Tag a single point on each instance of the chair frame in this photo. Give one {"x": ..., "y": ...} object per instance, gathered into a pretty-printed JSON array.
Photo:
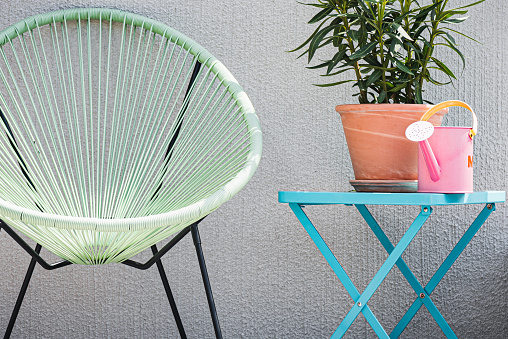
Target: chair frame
[{"x": 156, "y": 259}]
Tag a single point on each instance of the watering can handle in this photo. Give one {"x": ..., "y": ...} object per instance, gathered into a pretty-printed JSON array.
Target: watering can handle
[{"x": 451, "y": 103}]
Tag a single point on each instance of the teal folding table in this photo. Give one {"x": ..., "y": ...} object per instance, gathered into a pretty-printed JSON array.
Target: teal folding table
[{"x": 298, "y": 200}]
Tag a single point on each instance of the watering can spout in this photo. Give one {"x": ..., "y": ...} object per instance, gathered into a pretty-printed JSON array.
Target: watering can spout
[
  {"x": 430, "y": 160},
  {"x": 420, "y": 131}
]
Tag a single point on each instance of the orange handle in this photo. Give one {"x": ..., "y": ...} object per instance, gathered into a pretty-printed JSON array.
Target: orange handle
[{"x": 451, "y": 103}]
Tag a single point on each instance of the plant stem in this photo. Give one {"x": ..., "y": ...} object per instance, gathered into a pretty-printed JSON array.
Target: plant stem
[
  {"x": 380, "y": 14},
  {"x": 356, "y": 65},
  {"x": 405, "y": 9},
  {"x": 429, "y": 52},
  {"x": 438, "y": 11}
]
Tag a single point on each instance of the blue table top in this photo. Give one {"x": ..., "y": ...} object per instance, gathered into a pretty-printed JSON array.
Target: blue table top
[{"x": 365, "y": 198}]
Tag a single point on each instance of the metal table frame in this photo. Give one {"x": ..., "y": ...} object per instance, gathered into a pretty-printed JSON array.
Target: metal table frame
[{"x": 298, "y": 200}]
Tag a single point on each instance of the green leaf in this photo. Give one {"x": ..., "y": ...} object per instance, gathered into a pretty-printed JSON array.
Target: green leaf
[
  {"x": 353, "y": 34},
  {"x": 443, "y": 16},
  {"x": 324, "y": 64},
  {"x": 454, "y": 12},
  {"x": 470, "y": 5},
  {"x": 309, "y": 39},
  {"x": 403, "y": 78},
  {"x": 427, "y": 45},
  {"x": 321, "y": 15},
  {"x": 437, "y": 83},
  {"x": 314, "y": 44},
  {"x": 336, "y": 73},
  {"x": 396, "y": 44},
  {"x": 363, "y": 6},
  {"x": 336, "y": 58},
  {"x": 313, "y": 5},
  {"x": 397, "y": 88},
  {"x": 333, "y": 84},
  {"x": 381, "y": 97},
  {"x": 452, "y": 40},
  {"x": 328, "y": 41},
  {"x": 362, "y": 52},
  {"x": 372, "y": 60},
  {"x": 373, "y": 97},
  {"x": 348, "y": 62},
  {"x": 362, "y": 37},
  {"x": 420, "y": 30},
  {"x": 455, "y": 21},
  {"x": 420, "y": 17},
  {"x": 449, "y": 29},
  {"x": 400, "y": 18},
  {"x": 401, "y": 31},
  {"x": 438, "y": 33},
  {"x": 374, "y": 77},
  {"x": 301, "y": 55},
  {"x": 362, "y": 85},
  {"x": 337, "y": 38},
  {"x": 400, "y": 65},
  {"x": 452, "y": 46},
  {"x": 416, "y": 49},
  {"x": 443, "y": 67}
]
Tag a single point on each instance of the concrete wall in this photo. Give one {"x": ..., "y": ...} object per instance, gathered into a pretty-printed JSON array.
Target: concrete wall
[{"x": 269, "y": 280}]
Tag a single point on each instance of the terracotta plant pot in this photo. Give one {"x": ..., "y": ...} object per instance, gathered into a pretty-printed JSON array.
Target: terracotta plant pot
[{"x": 379, "y": 150}]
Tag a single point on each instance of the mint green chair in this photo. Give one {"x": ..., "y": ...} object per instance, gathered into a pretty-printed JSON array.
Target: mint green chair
[{"x": 117, "y": 132}]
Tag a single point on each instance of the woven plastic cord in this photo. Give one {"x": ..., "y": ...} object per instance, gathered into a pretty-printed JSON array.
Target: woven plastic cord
[{"x": 107, "y": 146}]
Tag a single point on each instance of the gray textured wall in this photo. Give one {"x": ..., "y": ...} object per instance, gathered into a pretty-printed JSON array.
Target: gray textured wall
[{"x": 269, "y": 280}]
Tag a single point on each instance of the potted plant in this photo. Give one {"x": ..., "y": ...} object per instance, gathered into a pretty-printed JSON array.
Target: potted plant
[{"x": 388, "y": 49}]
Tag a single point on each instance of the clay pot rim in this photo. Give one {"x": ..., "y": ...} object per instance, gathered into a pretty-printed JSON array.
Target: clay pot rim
[{"x": 386, "y": 108}]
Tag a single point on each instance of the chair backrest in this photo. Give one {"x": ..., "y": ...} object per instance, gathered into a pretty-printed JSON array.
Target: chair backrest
[{"x": 118, "y": 120}]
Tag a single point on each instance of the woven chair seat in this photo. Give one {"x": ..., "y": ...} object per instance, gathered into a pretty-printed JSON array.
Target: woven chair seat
[{"x": 117, "y": 132}]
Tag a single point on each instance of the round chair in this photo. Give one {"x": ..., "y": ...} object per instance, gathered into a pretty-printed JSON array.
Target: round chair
[{"x": 117, "y": 132}]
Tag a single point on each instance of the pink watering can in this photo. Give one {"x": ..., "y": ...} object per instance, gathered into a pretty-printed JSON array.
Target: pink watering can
[{"x": 445, "y": 154}]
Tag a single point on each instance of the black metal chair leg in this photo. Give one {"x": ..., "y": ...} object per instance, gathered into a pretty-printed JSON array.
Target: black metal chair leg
[
  {"x": 157, "y": 254},
  {"x": 172, "y": 302},
  {"x": 22, "y": 292},
  {"x": 206, "y": 280}
]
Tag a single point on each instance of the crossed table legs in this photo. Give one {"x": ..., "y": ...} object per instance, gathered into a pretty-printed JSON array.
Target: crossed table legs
[{"x": 394, "y": 258}]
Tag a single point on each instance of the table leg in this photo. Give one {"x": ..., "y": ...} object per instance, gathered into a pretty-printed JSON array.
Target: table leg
[
  {"x": 443, "y": 269},
  {"x": 383, "y": 271},
  {"x": 337, "y": 268},
  {"x": 410, "y": 277}
]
